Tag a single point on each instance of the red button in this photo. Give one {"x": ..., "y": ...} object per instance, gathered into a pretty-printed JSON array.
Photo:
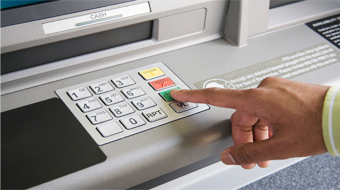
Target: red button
[{"x": 162, "y": 83}]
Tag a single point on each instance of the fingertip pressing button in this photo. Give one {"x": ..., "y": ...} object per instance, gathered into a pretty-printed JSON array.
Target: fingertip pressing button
[{"x": 166, "y": 94}]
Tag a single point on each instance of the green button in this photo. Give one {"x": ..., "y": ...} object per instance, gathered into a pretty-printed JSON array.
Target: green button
[{"x": 166, "y": 94}]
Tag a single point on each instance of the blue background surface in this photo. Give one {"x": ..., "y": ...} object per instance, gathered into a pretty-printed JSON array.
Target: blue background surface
[{"x": 15, "y": 3}]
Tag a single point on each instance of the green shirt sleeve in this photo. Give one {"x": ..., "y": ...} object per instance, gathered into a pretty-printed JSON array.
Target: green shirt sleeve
[{"x": 331, "y": 121}]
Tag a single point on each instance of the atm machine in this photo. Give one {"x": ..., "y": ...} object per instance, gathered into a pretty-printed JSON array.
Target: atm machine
[{"x": 85, "y": 86}]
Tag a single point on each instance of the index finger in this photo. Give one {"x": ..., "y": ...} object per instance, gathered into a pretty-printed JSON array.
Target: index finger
[{"x": 228, "y": 98}]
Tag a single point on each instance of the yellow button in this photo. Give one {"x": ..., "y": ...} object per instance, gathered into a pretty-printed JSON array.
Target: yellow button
[{"x": 151, "y": 73}]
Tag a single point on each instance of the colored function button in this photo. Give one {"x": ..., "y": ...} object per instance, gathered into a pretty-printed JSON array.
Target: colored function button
[
  {"x": 162, "y": 83},
  {"x": 151, "y": 73},
  {"x": 166, "y": 95}
]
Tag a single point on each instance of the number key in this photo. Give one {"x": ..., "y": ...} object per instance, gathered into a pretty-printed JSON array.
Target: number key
[
  {"x": 121, "y": 110},
  {"x": 133, "y": 92},
  {"x": 101, "y": 87},
  {"x": 111, "y": 98},
  {"x": 99, "y": 117},
  {"x": 79, "y": 93},
  {"x": 143, "y": 103},
  {"x": 132, "y": 122},
  {"x": 123, "y": 81},
  {"x": 88, "y": 105}
]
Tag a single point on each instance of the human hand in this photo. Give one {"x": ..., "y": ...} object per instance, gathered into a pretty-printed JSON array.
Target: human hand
[{"x": 279, "y": 119}]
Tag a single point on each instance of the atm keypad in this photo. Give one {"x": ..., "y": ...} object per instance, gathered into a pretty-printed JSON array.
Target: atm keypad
[{"x": 127, "y": 103}]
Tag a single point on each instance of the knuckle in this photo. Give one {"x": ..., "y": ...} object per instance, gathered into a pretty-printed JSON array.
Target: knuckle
[
  {"x": 233, "y": 117},
  {"x": 261, "y": 127},
  {"x": 252, "y": 91},
  {"x": 269, "y": 80},
  {"x": 236, "y": 117},
  {"x": 211, "y": 91}
]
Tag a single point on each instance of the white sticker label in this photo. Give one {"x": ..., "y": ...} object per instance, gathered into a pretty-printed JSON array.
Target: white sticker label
[{"x": 95, "y": 18}]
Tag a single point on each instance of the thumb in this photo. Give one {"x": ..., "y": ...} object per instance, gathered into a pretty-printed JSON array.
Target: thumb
[{"x": 250, "y": 153}]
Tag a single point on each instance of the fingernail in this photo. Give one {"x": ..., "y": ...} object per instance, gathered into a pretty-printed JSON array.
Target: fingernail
[
  {"x": 174, "y": 91},
  {"x": 227, "y": 158}
]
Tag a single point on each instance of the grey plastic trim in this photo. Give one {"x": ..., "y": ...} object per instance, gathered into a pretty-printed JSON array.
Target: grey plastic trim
[
  {"x": 50, "y": 9},
  {"x": 236, "y": 27}
]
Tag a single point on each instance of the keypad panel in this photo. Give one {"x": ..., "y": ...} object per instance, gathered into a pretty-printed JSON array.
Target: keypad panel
[{"x": 127, "y": 103}]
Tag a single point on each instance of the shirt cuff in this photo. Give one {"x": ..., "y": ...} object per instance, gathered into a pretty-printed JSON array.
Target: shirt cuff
[{"x": 331, "y": 121}]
